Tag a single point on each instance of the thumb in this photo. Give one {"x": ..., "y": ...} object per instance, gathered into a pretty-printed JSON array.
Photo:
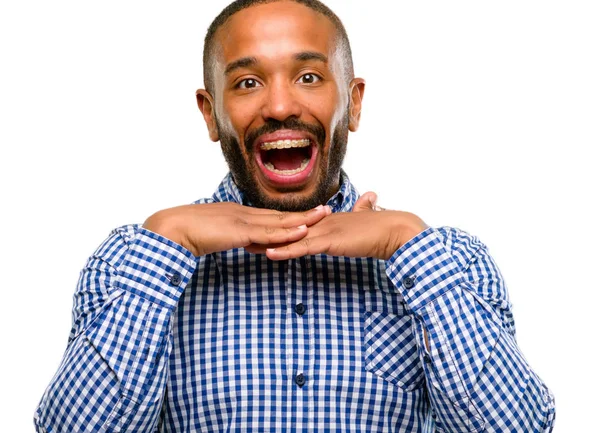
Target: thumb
[{"x": 365, "y": 202}]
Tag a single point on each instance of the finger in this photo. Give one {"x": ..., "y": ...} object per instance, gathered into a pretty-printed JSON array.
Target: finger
[
  {"x": 302, "y": 247},
  {"x": 269, "y": 235},
  {"x": 261, "y": 249},
  {"x": 291, "y": 219},
  {"x": 365, "y": 202}
]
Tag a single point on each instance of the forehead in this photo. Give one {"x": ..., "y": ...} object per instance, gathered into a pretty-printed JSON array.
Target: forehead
[{"x": 274, "y": 31}]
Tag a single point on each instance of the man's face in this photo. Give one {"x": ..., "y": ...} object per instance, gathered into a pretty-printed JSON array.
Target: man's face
[{"x": 281, "y": 104}]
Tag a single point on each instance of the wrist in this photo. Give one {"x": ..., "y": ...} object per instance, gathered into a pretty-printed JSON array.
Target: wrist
[
  {"x": 162, "y": 224},
  {"x": 405, "y": 226}
]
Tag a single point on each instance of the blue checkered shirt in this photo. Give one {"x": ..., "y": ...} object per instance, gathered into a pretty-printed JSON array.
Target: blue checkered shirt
[{"x": 163, "y": 341}]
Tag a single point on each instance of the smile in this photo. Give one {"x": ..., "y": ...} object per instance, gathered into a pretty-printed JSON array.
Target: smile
[
  {"x": 282, "y": 156},
  {"x": 286, "y": 161}
]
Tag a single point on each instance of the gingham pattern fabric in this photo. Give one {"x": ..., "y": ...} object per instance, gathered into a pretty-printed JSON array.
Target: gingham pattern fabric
[{"x": 163, "y": 341}]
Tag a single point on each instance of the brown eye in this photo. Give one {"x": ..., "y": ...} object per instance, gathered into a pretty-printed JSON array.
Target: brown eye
[
  {"x": 309, "y": 79},
  {"x": 248, "y": 83}
]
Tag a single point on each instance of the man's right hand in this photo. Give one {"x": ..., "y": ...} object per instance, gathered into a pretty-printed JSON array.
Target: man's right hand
[{"x": 213, "y": 227}]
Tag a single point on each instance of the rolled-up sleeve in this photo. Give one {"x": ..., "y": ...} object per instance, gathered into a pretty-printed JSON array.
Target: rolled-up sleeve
[
  {"x": 477, "y": 377},
  {"x": 113, "y": 373}
]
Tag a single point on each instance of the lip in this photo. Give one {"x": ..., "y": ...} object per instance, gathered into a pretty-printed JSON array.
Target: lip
[
  {"x": 283, "y": 134},
  {"x": 286, "y": 180}
]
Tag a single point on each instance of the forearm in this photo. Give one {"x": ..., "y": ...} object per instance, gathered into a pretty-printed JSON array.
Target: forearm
[
  {"x": 476, "y": 376},
  {"x": 114, "y": 370}
]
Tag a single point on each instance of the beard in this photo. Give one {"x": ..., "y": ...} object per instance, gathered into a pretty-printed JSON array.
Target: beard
[{"x": 328, "y": 169}]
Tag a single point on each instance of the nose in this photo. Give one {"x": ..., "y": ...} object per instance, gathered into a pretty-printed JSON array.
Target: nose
[{"x": 281, "y": 101}]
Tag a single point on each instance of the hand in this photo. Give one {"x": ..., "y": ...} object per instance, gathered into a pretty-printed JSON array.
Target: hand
[
  {"x": 363, "y": 232},
  {"x": 208, "y": 228}
]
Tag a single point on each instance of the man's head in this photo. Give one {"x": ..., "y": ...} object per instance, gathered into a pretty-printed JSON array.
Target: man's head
[{"x": 280, "y": 96}]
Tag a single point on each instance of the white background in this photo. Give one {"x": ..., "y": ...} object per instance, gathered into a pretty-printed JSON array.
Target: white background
[{"x": 477, "y": 114}]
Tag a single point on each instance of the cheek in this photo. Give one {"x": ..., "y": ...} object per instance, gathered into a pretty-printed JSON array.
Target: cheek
[
  {"x": 330, "y": 110},
  {"x": 342, "y": 105},
  {"x": 240, "y": 117},
  {"x": 224, "y": 121},
  {"x": 331, "y": 117},
  {"x": 338, "y": 115}
]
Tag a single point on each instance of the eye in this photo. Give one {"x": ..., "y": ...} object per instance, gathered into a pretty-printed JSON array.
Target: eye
[
  {"x": 309, "y": 79},
  {"x": 248, "y": 83}
]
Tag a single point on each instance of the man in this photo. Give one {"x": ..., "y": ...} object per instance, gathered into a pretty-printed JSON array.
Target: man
[{"x": 285, "y": 302}]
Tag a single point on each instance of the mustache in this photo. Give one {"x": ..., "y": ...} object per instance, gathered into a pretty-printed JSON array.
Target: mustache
[{"x": 291, "y": 123}]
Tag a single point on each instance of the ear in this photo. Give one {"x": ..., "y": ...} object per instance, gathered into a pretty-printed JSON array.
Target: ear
[
  {"x": 206, "y": 106},
  {"x": 356, "y": 90}
]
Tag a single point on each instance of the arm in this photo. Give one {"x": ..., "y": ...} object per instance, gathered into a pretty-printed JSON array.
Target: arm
[
  {"x": 477, "y": 378},
  {"x": 113, "y": 373}
]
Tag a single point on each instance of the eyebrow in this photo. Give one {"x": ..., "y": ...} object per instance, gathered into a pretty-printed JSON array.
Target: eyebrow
[
  {"x": 244, "y": 62},
  {"x": 304, "y": 56},
  {"x": 311, "y": 55}
]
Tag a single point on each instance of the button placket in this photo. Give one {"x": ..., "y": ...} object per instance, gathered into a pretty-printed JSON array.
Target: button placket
[{"x": 302, "y": 333}]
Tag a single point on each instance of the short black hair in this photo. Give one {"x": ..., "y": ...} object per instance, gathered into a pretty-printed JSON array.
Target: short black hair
[{"x": 238, "y": 5}]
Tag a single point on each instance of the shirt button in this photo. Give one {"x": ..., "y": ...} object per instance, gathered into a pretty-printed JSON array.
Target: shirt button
[
  {"x": 300, "y": 309},
  {"x": 176, "y": 279},
  {"x": 408, "y": 282},
  {"x": 426, "y": 358},
  {"x": 300, "y": 380}
]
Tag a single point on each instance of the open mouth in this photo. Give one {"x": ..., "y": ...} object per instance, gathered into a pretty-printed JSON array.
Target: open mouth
[{"x": 287, "y": 161}]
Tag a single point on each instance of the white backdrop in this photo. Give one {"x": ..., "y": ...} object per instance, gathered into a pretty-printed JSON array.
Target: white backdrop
[{"x": 481, "y": 115}]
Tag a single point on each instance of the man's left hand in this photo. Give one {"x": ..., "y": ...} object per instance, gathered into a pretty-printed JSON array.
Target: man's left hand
[{"x": 364, "y": 232}]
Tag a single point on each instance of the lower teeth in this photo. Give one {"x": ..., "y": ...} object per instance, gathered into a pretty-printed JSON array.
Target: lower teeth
[{"x": 272, "y": 168}]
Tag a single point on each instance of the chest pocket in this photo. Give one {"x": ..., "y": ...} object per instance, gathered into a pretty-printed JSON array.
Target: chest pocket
[{"x": 390, "y": 349}]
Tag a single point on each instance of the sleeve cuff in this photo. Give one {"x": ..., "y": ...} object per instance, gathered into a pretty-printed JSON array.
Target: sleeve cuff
[
  {"x": 156, "y": 268},
  {"x": 422, "y": 269}
]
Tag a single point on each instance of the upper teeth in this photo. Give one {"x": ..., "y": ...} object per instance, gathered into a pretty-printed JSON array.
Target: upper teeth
[{"x": 285, "y": 144}]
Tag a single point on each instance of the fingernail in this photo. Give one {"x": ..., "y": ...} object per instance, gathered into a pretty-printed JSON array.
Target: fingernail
[
  {"x": 302, "y": 227},
  {"x": 271, "y": 250},
  {"x": 319, "y": 207}
]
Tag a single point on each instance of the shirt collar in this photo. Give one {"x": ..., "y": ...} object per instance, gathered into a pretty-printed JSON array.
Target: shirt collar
[{"x": 342, "y": 201}]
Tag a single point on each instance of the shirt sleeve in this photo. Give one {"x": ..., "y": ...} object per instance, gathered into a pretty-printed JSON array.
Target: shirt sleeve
[
  {"x": 477, "y": 378},
  {"x": 114, "y": 371}
]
